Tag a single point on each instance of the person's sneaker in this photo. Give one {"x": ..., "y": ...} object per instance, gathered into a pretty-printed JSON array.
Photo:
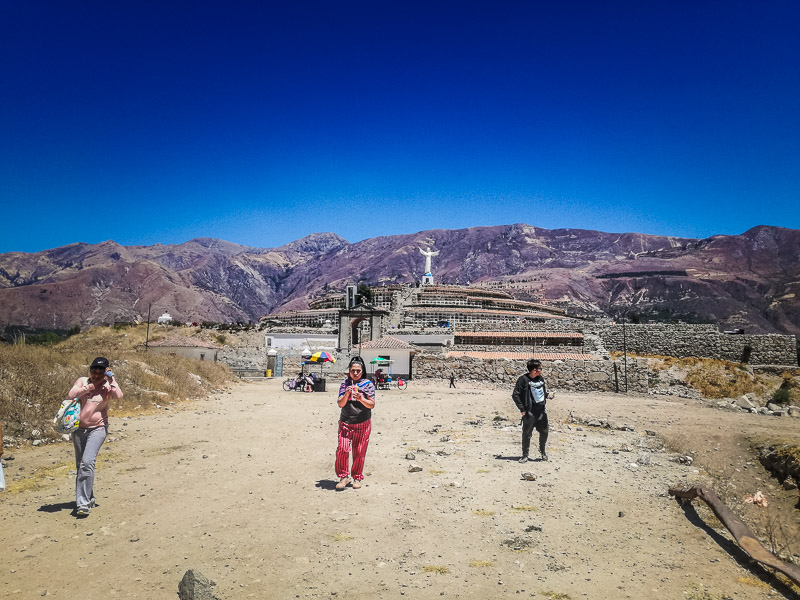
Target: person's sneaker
[
  {"x": 342, "y": 483},
  {"x": 356, "y": 484},
  {"x": 83, "y": 511},
  {"x": 524, "y": 459},
  {"x": 544, "y": 456}
]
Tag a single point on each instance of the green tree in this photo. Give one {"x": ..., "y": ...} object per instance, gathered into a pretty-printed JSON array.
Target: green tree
[{"x": 365, "y": 292}]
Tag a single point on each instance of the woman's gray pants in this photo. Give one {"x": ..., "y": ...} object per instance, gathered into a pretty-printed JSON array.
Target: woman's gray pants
[{"x": 87, "y": 444}]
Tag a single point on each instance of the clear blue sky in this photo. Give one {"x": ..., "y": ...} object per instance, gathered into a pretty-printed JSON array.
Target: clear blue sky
[{"x": 259, "y": 122}]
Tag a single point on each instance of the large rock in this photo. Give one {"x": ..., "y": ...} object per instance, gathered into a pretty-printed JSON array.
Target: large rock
[{"x": 195, "y": 586}]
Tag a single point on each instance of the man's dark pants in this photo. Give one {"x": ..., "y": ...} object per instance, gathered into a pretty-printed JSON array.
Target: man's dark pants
[{"x": 529, "y": 423}]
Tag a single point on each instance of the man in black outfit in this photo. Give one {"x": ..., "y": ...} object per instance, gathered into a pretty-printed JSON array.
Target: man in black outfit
[
  {"x": 452, "y": 379},
  {"x": 530, "y": 396}
]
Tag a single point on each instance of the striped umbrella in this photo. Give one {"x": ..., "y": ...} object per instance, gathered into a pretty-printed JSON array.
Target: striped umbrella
[{"x": 321, "y": 358}]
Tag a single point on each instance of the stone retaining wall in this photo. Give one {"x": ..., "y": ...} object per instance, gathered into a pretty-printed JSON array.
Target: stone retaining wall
[
  {"x": 530, "y": 348},
  {"x": 572, "y": 375},
  {"x": 683, "y": 340},
  {"x": 244, "y": 358},
  {"x": 513, "y": 325}
]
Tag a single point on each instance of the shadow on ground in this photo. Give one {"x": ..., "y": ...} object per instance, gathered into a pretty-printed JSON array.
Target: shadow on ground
[
  {"x": 53, "y": 508},
  {"x": 740, "y": 556}
]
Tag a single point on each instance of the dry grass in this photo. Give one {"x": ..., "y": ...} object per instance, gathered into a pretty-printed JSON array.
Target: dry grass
[
  {"x": 679, "y": 442},
  {"x": 753, "y": 582},
  {"x": 39, "y": 478},
  {"x": 722, "y": 379},
  {"x": 525, "y": 508},
  {"x": 342, "y": 537},
  {"x": 711, "y": 377},
  {"x": 556, "y": 596},
  {"x": 481, "y": 563},
  {"x": 438, "y": 569},
  {"x": 35, "y": 379},
  {"x": 483, "y": 513}
]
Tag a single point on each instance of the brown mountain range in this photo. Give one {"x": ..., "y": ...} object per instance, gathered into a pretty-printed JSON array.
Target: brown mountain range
[{"x": 750, "y": 280}]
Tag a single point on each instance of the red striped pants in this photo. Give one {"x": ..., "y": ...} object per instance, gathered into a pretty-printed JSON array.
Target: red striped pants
[{"x": 355, "y": 437}]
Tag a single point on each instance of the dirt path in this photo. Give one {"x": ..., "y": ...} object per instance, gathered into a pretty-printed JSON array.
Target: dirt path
[{"x": 240, "y": 486}]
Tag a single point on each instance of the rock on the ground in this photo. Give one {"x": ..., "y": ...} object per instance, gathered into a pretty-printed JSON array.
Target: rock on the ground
[{"x": 195, "y": 586}]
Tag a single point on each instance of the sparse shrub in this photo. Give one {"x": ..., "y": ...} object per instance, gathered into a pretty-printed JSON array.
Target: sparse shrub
[
  {"x": 47, "y": 338},
  {"x": 781, "y": 395}
]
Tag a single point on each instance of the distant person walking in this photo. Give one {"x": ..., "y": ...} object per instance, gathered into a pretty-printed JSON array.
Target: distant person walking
[
  {"x": 94, "y": 393},
  {"x": 356, "y": 401},
  {"x": 452, "y": 379},
  {"x": 530, "y": 396}
]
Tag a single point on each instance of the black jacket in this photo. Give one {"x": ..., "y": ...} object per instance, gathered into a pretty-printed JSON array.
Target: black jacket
[{"x": 523, "y": 395}]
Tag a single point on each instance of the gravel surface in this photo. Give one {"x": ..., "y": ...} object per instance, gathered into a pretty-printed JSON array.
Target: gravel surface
[{"x": 240, "y": 487}]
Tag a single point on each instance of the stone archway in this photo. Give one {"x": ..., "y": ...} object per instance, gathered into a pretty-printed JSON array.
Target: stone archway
[
  {"x": 351, "y": 328},
  {"x": 356, "y": 330}
]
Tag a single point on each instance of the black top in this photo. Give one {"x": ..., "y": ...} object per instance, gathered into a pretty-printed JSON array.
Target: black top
[
  {"x": 354, "y": 412},
  {"x": 526, "y": 391}
]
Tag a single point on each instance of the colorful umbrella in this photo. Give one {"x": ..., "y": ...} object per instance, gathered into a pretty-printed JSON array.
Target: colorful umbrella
[{"x": 321, "y": 357}]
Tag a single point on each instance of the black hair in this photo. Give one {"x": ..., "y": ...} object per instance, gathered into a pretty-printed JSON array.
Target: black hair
[
  {"x": 534, "y": 364},
  {"x": 360, "y": 361}
]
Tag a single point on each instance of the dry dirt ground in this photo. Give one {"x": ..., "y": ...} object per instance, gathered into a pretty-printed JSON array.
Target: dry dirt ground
[{"x": 241, "y": 487}]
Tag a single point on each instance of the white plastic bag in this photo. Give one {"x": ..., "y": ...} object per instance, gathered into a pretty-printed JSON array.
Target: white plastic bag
[{"x": 2, "y": 479}]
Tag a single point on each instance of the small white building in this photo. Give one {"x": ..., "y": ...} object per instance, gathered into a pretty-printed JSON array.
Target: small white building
[
  {"x": 390, "y": 348},
  {"x": 186, "y": 347},
  {"x": 295, "y": 343},
  {"x": 165, "y": 319}
]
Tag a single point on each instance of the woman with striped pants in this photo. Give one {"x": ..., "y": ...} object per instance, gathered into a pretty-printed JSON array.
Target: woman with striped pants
[{"x": 356, "y": 401}]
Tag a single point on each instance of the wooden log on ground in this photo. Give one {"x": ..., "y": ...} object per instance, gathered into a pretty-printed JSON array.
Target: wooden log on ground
[{"x": 741, "y": 532}]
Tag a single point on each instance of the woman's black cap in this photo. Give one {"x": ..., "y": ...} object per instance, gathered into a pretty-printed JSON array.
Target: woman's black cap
[{"x": 99, "y": 363}]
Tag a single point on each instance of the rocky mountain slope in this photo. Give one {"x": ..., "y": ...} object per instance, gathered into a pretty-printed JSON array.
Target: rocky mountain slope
[{"x": 750, "y": 280}]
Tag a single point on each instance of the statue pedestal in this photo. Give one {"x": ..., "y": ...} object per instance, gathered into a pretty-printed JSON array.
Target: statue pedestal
[{"x": 427, "y": 279}]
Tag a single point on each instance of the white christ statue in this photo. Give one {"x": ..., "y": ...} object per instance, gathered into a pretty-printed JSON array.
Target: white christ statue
[{"x": 427, "y": 256}]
